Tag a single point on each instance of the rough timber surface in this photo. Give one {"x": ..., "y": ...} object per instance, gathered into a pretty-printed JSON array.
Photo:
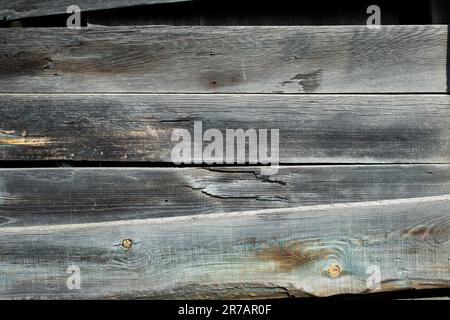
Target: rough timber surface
[
  {"x": 312, "y": 128},
  {"x": 283, "y": 59},
  {"x": 46, "y": 196},
  {"x": 314, "y": 250},
  {"x": 18, "y": 9}
]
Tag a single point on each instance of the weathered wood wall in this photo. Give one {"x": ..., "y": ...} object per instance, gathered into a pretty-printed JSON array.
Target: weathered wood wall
[{"x": 363, "y": 179}]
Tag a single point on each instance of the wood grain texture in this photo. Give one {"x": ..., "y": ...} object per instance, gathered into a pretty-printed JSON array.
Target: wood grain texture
[
  {"x": 30, "y": 197},
  {"x": 18, "y": 9},
  {"x": 341, "y": 59},
  {"x": 312, "y": 128},
  {"x": 315, "y": 250}
]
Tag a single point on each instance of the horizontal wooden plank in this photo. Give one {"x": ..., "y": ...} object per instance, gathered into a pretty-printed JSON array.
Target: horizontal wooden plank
[
  {"x": 312, "y": 128},
  {"x": 315, "y": 250},
  {"x": 18, "y": 9},
  {"x": 339, "y": 59},
  {"x": 57, "y": 196}
]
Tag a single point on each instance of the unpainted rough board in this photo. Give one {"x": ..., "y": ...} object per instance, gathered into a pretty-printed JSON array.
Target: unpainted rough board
[
  {"x": 316, "y": 250},
  {"x": 283, "y": 59},
  {"x": 31, "y": 197},
  {"x": 18, "y": 9},
  {"x": 312, "y": 128}
]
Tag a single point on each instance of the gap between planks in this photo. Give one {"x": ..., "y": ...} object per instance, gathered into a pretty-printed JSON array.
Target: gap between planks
[
  {"x": 97, "y": 165},
  {"x": 169, "y": 93}
]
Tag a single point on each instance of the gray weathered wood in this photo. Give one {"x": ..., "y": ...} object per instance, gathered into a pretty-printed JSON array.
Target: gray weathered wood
[
  {"x": 340, "y": 59},
  {"x": 30, "y": 197},
  {"x": 17, "y": 9},
  {"x": 317, "y": 250},
  {"x": 313, "y": 128}
]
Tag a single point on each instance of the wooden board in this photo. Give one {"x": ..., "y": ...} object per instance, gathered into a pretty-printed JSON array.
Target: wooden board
[
  {"x": 18, "y": 9},
  {"x": 343, "y": 59},
  {"x": 312, "y": 128},
  {"x": 314, "y": 250},
  {"x": 30, "y": 197}
]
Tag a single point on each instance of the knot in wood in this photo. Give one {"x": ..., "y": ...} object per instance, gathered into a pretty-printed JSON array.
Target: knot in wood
[
  {"x": 334, "y": 271},
  {"x": 127, "y": 243}
]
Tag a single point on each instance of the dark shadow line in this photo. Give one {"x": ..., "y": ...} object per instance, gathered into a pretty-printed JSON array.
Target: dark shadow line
[{"x": 147, "y": 164}]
